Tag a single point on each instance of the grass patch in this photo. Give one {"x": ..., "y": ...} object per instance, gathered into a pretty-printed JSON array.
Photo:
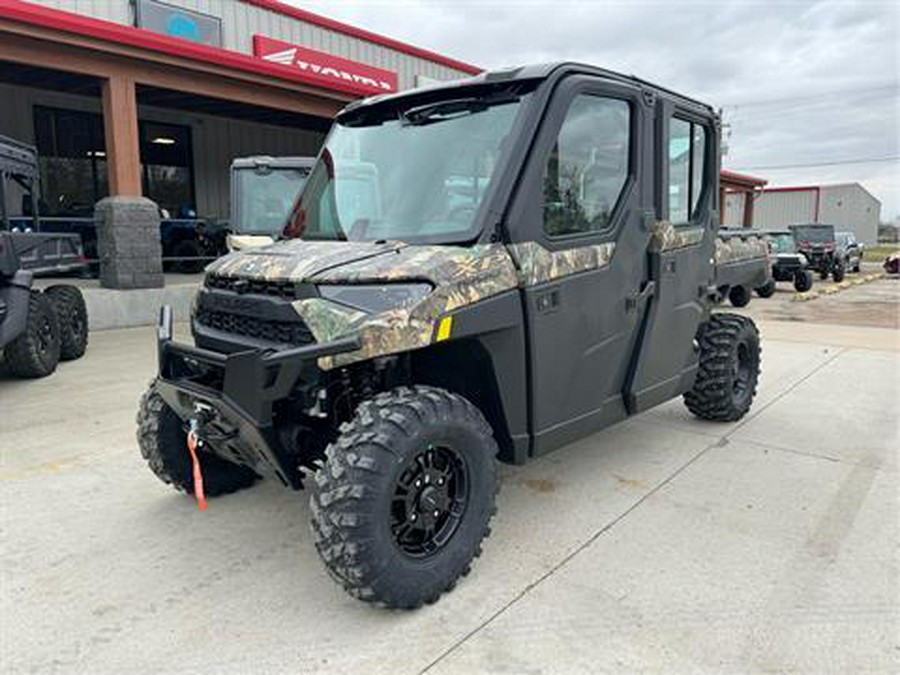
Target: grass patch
[{"x": 880, "y": 252}]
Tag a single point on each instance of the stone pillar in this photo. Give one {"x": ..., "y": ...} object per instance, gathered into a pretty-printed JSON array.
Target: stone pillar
[
  {"x": 128, "y": 243},
  {"x": 127, "y": 224}
]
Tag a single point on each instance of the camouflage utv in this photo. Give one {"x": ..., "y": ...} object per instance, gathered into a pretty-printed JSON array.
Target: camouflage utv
[{"x": 485, "y": 270}]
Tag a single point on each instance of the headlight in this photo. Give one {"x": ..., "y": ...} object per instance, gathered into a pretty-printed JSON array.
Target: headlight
[
  {"x": 803, "y": 260},
  {"x": 376, "y": 298}
]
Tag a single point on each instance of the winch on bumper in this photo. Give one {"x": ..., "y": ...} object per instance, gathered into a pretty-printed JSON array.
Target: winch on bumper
[{"x": 236, "y": 392}]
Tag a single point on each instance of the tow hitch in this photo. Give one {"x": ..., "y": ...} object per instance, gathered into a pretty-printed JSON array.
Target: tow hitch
[{"x": 202, "y": 414}]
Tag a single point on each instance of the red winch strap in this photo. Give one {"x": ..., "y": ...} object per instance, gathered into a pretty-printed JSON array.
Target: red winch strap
[{"x": 192, "y": 443}]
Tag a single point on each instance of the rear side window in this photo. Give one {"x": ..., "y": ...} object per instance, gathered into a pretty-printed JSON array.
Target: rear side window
[
  {"x": 687, "y": 169},
  {"x": 588, "y": 166}
]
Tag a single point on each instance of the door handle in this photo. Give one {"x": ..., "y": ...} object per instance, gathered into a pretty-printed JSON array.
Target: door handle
[
  {"x": 633, "y": 301},
  {"x": 547, "y": 302}
]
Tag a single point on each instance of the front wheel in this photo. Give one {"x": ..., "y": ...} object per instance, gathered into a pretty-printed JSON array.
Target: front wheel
[
  {"x": 803, "y": 281},
  {"x": 729, "y": 369},
  {"x": 838, "y": 273},
  {"x": 405, "y": 496},
  {"x": 163, "y": 443}
]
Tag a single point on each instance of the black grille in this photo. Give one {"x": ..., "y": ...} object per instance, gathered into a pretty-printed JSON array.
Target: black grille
[
  {"x": 285, "y": 332},
  {"x": 287, "y": 290}
]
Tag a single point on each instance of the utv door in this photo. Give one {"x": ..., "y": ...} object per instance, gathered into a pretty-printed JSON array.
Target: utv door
[
  {"x": 680, "y": 256},
  {"x": 580, "y": 236}
]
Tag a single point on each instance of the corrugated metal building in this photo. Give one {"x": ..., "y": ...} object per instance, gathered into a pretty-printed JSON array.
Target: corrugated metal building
[
  {"x": 142, "y": 97},
  {"x": 847, "y": 206}
]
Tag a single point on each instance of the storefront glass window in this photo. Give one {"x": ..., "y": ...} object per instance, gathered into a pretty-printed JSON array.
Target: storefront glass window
[
  {"x": 73, "y": 163},
  {"x": 71, "y": 146},
  {"x": 168, "y": 169}
]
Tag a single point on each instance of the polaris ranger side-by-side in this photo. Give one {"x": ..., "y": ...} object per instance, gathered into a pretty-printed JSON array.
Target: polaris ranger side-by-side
[
  {"x": 488, "y": 269},
  {"x": 263, "y": 191}
]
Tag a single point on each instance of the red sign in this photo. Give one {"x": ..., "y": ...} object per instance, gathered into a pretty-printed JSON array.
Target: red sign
[{"x": 326, "y": 70}]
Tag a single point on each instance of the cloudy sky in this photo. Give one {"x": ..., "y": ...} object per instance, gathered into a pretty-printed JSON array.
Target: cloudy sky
[{"x": 809, "y": 89}]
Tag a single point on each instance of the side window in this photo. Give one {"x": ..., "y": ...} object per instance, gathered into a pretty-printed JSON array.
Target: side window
[
  {"x": 587, "y": 167},
  {"x": 687, "y": 169}
]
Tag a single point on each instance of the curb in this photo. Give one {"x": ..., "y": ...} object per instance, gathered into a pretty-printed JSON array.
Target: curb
[{"x": 837, "y": 288}]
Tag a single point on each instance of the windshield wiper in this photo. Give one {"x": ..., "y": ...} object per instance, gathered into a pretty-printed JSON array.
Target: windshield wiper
[{"x": 451, "y": 109}]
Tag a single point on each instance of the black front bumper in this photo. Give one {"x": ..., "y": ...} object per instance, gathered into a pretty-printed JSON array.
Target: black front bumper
[{"x": 237, "y": 392}]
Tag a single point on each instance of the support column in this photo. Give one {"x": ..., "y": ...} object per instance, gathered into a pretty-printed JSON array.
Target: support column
[
  {"x": 128, "y": 240},
  {"x": 120, "y": 126},
  {"x": 748, "y": 207}
]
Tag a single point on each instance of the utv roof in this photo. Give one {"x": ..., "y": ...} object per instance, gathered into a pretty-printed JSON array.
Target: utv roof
[{"x": 541, "y": 71}]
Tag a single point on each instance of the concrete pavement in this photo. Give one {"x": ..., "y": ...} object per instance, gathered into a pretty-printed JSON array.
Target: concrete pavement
[{"x": 664, "y": 543}]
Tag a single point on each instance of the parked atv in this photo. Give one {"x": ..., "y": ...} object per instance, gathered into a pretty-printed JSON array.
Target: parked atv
[
  {"x": 38, "y": 329},
  {"x": 788, "y": 263},
  {"x": 819, "y": 246},
  {"x": 489, "y": 269}
]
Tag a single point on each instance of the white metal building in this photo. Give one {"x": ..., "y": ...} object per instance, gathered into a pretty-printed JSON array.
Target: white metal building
[{"x": 847, "y": 206}]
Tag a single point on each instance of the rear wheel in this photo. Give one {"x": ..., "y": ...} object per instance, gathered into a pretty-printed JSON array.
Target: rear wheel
[
  {"x": 163, "y": 443},
  {"x": 767, "y": 290},
  {"x": 405, "y": 496},
  {"x": 35, "y": 353},
  {"x": 73, "y": 320},
  {"x": 803, "y": 281},
  {"x": 729, "y": 369},
  {"x": 739, "y": 296}
]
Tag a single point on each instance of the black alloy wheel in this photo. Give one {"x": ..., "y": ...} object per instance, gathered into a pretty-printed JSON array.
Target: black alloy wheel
[{"x": 430, "y": 498}]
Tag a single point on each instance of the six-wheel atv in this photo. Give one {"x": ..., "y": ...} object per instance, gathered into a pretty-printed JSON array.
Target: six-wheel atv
[
  {"x": 37, "y": 329},
  {"x": 489, "y": 269}
]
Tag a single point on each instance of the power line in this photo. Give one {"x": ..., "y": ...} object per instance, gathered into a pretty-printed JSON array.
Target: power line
[{"x": 871, "y": 160}]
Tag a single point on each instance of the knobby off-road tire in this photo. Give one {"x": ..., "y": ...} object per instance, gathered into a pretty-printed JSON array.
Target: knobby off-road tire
[
  {"x": 739, "y": 296},
  {"x": 729, "y": 369},
  {"x": 375, "y": 479},
  {"x": 803, "y": 281},
  {"x": 163, "y": 443},
  {"x": 838, "y": 273},
  {"x": 72, "y": 317},
  {"x": 35, "y": 352},
  {"x": 767, "y": 290}
]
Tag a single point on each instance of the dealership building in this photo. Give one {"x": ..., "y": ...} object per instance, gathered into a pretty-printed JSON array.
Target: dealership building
[{"x": 132, "y": 98}]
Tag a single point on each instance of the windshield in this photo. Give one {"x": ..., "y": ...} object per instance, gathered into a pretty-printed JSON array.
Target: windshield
[
  {"x": 264, "y": 197},
  {"x": 416, "y": 175},
  {"x": 782, "y": 243},
  {"x": 815, "y": 234}
]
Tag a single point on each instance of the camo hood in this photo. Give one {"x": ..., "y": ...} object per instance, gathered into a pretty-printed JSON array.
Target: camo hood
[{"x": 296, "y": 259}]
